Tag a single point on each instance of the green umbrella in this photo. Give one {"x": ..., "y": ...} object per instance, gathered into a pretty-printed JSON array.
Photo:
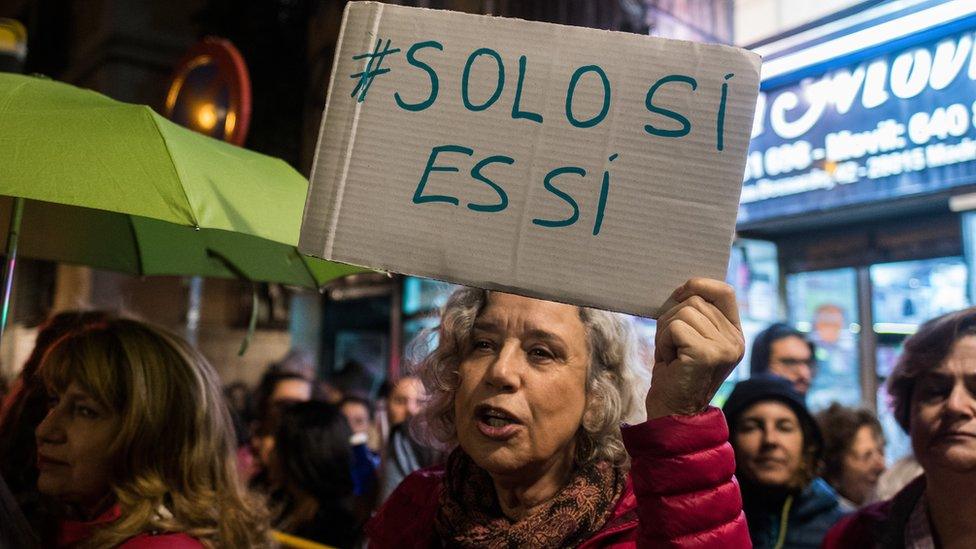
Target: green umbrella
[{"x": 116, "y": 186}]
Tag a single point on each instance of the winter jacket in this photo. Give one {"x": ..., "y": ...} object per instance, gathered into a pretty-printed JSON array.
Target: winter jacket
[
  {"x": 810, "y": 514},
  {"x": 72, "y": 532},
  {"x": 878, "y": 525},
  {"x": 680, "y": 492}
]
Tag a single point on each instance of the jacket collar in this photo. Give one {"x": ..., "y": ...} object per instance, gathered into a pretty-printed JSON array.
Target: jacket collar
[{"x": 72, "y": 532}]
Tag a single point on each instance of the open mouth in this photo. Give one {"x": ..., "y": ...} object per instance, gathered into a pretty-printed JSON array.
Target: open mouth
[{"x": 496, "y": 423}]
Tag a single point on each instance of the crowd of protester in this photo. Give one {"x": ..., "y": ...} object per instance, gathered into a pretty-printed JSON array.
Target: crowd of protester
[{"x": 508, "y": 432}]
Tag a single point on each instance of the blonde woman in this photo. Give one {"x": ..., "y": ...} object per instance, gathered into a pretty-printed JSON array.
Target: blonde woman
[{"x": 138, "y": 445}]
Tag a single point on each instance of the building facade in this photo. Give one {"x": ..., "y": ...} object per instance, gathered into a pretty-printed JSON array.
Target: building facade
[{"x": 855, "y": 221}]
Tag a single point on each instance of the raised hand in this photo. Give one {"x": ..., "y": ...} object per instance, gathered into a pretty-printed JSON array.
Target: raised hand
[{"x": 698, "y": 343}]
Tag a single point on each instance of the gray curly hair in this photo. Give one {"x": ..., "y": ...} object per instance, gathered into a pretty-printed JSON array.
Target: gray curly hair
[{"x": 616, "y": 380}]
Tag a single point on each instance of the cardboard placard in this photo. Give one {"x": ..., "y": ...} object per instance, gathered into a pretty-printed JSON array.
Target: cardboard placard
[{"x": 572, "y": 164}]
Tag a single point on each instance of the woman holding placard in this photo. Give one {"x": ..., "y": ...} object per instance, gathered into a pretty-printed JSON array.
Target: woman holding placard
[{"x": 529, "y": 397}]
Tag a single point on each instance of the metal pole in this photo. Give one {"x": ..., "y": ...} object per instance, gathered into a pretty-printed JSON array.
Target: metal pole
[
  {"x": 13, "y": 236},
  {"x": 194, "y": 299},
  {"x": 867, "y": 347}
]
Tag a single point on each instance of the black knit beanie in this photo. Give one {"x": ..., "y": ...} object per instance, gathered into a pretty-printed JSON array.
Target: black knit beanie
[{"x": 771, "y": 387}]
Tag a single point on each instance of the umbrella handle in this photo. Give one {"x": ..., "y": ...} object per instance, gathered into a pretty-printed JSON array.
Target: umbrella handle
[
  {"x": 13, "y": 237},
  {"x": 252, "y": 324}
]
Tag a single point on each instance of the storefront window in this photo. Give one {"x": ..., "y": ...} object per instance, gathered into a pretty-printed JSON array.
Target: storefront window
[
  {"x": 906, "y": 294},
  {"x": 424, "y": 295},
  {"x": 422, "y": 302},
  {"x": 754, "y": 273},
  {"x": 824, "y": 305}
]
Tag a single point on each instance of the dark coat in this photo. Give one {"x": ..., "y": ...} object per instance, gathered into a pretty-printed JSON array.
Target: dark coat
[
  {"x": 878, "y": 525},
  {"x": 812, "y": 513}
]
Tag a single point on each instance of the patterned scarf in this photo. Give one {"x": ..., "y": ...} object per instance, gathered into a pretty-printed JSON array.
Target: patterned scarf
[{"x": 470, "y": 516}]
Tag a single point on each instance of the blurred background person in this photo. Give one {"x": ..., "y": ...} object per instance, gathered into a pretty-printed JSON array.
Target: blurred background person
[
  {"x": 312, "y": 462},
  {"x": 777, "y": 451},
  {"x": 138, "y": 446},
  {"x": 403, "y": 453},
  {"x": 238, "y": 397},
  {"x": 296, "y": 361},
  {"x": 24, "y": 408},
  {"x": 281, "y": 386},
  {"x": 276, "y": 389},
  {"x": 933, "y": 395},
  {"x": 895, "y": 478},
  {"x": 853, "y": 456},
  {"x": 406, "y": 398},
  {"x": 354, "y": 378},
  {"x": 359, "y": 413},
  {"x": 786, "y": 352}
]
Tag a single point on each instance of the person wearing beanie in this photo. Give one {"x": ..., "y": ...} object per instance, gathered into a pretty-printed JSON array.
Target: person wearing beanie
[
  {"x": 786, "y": 352},
  {"x": 777, "y": 450}
]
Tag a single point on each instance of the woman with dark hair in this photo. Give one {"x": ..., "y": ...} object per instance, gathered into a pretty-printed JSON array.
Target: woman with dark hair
[
  {"x": 277, "y": 389},
  {"x": 933, "y": 393},
  {"x": 312, "y": 464},
  {"x": 777, "y": 450},
  {"x": 853, "y": 455}
]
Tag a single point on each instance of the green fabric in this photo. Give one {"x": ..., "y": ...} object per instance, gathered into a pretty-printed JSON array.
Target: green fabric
[{"x": 150, "y": 197}]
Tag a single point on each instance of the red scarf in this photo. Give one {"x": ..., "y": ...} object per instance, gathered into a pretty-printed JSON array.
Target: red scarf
[{"x": 470, "y": 516}]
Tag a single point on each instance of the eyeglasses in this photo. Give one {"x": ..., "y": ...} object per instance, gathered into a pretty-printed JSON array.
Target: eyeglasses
[{"x": 797, "y": 362}]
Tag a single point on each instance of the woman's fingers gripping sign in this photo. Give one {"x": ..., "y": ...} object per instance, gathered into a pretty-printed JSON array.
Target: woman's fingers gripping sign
[{"x": 698, "y": 343}]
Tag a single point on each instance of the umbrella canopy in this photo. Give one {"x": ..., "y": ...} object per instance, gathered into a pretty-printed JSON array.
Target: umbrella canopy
[
  {"x": 116, "y": 186},
  {"x": 143, "y": 246}
]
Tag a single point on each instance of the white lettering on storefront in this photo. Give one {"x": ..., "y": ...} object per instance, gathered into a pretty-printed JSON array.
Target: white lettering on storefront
[{"x": 908, "y": 75}]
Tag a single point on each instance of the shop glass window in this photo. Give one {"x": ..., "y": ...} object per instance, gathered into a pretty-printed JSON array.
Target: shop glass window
[
  {"x": 754, "y": 273},
  {"x": 823, "y": 304},
  {"x": 423, "y": 299},
  {"x": 904, "y": 295}
]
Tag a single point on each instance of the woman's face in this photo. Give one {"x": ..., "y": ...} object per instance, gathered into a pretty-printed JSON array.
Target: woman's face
[
  {"x": 73, "y": 443},
  {"x": 522, "y": 390},
  {"x": 768, "y": 444},
  {"x": 862, "y": 465},
  {"x": 943, "y": 418}
]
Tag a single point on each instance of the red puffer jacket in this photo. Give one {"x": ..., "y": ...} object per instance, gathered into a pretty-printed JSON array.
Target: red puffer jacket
[
  {"x": 71, "y": 533},
  {"x": 680, "y": 493}
]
